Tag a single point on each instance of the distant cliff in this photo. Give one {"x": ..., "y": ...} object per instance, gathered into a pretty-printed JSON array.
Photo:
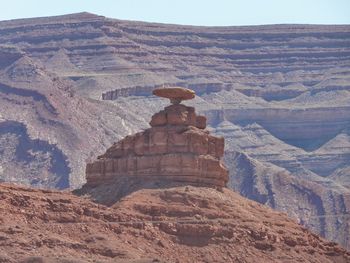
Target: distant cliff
[{"x": 72, "y": 85}]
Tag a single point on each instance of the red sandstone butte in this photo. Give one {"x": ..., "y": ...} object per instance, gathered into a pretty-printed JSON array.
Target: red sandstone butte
[{"x": 176, "y": 148}]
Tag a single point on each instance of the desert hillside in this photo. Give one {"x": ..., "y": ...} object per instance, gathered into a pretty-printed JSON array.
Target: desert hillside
[
  {"x": 173, "y": 224},
  {"x": 71, "y": 86}
]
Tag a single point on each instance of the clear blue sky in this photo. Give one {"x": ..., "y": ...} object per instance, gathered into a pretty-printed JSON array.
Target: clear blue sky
[{"x": 191, "y": 12}]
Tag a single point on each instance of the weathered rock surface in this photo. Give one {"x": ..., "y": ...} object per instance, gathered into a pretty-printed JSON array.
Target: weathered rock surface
[
  {"x": 175, "y": 224},
  {"x": 174, "y": 149},
  {"x": 279, "y": 94},
  {"x": 176, "y": 94}
]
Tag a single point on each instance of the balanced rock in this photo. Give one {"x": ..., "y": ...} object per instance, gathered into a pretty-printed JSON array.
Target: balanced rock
[
  {"x": 176, "y": 94},
  {"x": 176, "y": 148}
]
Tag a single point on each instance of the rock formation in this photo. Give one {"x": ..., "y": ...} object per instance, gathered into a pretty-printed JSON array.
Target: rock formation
[
  {"x": 279, "y": 94},
  {"x": 178, "y": 224},
  {"x": 176, "y": 148}
]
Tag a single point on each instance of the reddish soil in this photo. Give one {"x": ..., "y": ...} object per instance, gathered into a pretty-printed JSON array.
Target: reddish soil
[{"x": 178, "y": 224}]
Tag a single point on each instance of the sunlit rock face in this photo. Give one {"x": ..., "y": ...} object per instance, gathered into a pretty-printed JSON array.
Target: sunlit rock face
[
  {"x": 176, "y": 148},
  {"x": 278, "y": 94}
]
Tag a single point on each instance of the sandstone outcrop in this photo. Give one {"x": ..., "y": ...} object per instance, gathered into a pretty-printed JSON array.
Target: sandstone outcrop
[
  {"x": 176, "y": 95},
  {"x": 179, "y": 224},
  {"x": 291, "y": 80},
  {"x": 175, "y": 148}
]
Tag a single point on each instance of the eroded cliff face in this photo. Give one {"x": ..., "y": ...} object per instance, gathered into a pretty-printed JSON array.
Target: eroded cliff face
[
  {"x": 278, "y": 94},
  {"x": 32, "y": 162}
]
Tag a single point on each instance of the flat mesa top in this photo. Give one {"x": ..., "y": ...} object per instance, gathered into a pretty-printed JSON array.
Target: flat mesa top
[{"x": 175, "y": 93}]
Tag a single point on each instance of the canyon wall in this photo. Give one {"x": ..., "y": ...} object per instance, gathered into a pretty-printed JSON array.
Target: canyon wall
[{"x": 279, "y": 94}]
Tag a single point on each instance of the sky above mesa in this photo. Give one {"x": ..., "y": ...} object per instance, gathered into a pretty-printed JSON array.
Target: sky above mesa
[{"x": 190, "y": 12}]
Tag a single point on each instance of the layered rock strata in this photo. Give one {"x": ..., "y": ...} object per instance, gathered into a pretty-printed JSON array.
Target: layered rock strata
[
  {"x": 175, "y": 224},
  {"x": 276, "y": 93},
  {"x": 176, "y": 147}
]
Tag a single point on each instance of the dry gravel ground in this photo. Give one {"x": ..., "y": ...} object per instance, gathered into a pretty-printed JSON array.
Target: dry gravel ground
[{"x": 175, "y": 224}]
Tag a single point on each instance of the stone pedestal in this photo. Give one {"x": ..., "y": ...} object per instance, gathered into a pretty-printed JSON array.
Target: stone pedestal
[{"x": 176, "y": 148}]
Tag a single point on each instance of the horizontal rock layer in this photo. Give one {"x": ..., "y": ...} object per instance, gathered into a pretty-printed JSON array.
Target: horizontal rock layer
[
  {"x": 173, "y": 150},
  {"x": 284, "y": 88},
  {"x": 185, "y": 224}
]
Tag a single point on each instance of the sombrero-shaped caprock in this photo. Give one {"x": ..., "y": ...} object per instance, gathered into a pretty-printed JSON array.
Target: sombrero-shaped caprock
[{"x": 175, "y": 94}]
